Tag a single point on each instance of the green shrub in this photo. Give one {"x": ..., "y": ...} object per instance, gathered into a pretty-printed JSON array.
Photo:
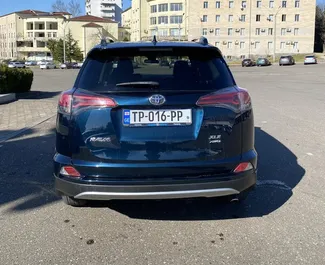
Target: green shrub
[{"x": 13, "y": 80}]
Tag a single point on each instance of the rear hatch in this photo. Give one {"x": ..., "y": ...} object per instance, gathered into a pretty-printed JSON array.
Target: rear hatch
[{"x": 152, "y": 115}]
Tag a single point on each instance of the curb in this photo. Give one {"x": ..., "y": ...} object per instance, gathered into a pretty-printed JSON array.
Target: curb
[
  {"x": 6, "y": 98},
  {"x": 20, "y": 131}
]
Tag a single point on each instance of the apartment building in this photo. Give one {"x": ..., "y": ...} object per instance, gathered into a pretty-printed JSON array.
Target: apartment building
[
  {"x": 255, "y": 27},
  {"x": 109, "y": 9},
  {"x": 24, "y": 34},
  {"x": 164, "y": 18},
  {"x": 242, "y": 28}
]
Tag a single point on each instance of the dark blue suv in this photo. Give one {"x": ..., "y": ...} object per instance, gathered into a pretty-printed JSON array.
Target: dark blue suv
[{"x": 131, "y": 128}]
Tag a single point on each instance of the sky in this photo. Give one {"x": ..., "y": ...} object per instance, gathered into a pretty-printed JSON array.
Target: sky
[{"x": 42, "y": 5}]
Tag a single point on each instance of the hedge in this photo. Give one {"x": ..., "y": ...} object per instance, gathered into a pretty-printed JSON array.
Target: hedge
[{"x": 13, "y": 80}]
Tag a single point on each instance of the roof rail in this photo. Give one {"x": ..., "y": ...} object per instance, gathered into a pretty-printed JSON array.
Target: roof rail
[
  {"x": 104, "y": 42},
  {"x": 203, "y": 40}
]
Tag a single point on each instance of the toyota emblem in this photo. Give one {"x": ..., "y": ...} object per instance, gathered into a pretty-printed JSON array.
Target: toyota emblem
[{"x": 157, "y": 100}]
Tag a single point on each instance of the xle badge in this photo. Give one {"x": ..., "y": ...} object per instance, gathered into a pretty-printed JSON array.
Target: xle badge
[{"x": 215, "y": 139}]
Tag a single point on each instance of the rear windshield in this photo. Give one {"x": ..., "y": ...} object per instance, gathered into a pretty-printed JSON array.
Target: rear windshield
[
  {"x": 311, "y": 56},
  {"x": 162, "y": 68}
]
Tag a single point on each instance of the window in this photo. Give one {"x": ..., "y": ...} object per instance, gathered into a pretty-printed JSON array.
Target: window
[
  {"x": 153, "y": 21},
  {"x": 271, "y": 4},
  {"x": 270, "y": 45},
  {"x": 55, "y": 34},
  {"x": 295, "y": 45},
  {"x": 231, "y": 4},
  {"x": 284, "y": 4},
  {"x": 284, "y": 18},
  {"x": 176, "y": 7},
  {"x": 243, "y": 4},
  {"x": 217, "y": 44},
  {"x": 229, "y": 45},
  {"x": 205, "y": 18},
  {"x": 258, "y": 17},
  {"x": 296, "y": 31},
  {"x": 163, "y": 7},
  {"x": 243, "y": 18},
  {"x": 163, "y": 20},
  {"x": 49, "y": 34},
  {"x": 258, "y": 31},
  {"x": 282, "y": 44},
  {"x": 205, "y": 4},
  {"x": 204, "y": 31},
  {"x": 283, "y": 31},
  {"x": 297, "y": 4},
  {"x": 230, "y": 31},
  {"x": 271, "y": 17},
  {"x": 163, "y": 32},
  {"x": 242, "y": 45},
  {"x": 270, "y": 31},
  {"x": 297, "y": 17},
  {"x": 217, "y": 4},
  {"x": 217, "y": 18},
  {"x": 176, "y": 20},
  {"x": 257, "y": 45},
  {"x": 242, "y": 32},
  {"x": 175, "y": 32},
  {"x": 217, "y": 31},
  {"x": 230, "y": 18},
  {"x": 153, "y": 9},
  {"x": 259, "y": 4}
]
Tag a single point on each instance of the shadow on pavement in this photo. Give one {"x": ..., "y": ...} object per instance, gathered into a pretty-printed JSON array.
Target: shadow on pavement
[
  {"x": 26, "y": 178},
  {"x": 26, "y": 171},
  {"x": 38, "y": 95},
  {"x": 278, "y": 174}
]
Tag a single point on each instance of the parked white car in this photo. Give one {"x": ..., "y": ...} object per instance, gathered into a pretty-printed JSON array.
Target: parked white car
[
  {"x": 16, "y": 65},
  {"x": 30, "y": 63},
  {"x": 48, "y": 65}
]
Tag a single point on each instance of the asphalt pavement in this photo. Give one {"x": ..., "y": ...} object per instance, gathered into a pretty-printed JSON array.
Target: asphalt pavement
[{"x": 282, "y": 221}]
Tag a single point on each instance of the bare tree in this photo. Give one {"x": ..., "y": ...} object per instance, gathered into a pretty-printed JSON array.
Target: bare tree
[{"x": 72, "y": 6}]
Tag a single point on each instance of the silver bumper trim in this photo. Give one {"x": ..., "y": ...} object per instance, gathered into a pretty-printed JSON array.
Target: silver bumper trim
[{"x": 94, "y": 195}]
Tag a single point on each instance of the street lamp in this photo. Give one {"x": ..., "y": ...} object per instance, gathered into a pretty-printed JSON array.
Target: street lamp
[
  {"x": 274, "y": 44},
  {"x": 65, "y": 22}
]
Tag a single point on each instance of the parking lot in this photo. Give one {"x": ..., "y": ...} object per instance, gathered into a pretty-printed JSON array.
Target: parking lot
[{"x": 282, "y": 221}]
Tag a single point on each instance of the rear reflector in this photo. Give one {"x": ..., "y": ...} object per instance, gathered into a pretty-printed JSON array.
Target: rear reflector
[
  {"x": 243, "y": 167},
  {"x": 238, "y": 101},
  {"x": 69, "y": 172}
]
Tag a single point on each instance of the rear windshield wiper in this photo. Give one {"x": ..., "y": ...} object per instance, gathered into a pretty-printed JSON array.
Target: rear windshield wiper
[{"x": 140, "y": 84}]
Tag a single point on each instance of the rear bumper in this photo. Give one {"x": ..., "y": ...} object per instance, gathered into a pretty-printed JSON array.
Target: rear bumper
[{"x": 232, "y": 185}]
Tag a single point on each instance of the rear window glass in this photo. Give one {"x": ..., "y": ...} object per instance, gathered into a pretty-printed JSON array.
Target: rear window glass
[
  {"x": 311, "y": 56},
  {"x": 165, "y": 68}
]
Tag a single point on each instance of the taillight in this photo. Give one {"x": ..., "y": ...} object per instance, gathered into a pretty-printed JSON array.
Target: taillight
[
  {"x": 80, "y": 101},
  {"x": 69, "y": 171},
  {"x": 69, "y": 103},
  {"x": 243, "y": 167},
  {"x": 238, "y": 101},
  {"x": 65, "y": 100}
]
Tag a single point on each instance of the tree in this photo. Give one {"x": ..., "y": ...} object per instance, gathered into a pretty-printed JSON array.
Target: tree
[
  {"x": 72, "y": 49},
  {"x": 73, "y": 7},
  {"x": 320, "y": 28}
]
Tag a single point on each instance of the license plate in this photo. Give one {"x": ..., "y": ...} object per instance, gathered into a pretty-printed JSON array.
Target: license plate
[{"x": 157, "y": 117}]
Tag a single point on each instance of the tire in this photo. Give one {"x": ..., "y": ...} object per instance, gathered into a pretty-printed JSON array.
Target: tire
[{"x": 73, "y": 202}]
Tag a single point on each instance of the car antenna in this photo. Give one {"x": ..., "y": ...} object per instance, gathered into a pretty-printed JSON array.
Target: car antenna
[{"x": 154, "y": 40}]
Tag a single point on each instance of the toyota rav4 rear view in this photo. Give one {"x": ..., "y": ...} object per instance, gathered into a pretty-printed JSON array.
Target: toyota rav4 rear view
[{"x": 131, "y": 128}]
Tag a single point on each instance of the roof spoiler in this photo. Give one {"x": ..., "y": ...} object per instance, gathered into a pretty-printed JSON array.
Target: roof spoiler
[{"x": 202, "y": 40}]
